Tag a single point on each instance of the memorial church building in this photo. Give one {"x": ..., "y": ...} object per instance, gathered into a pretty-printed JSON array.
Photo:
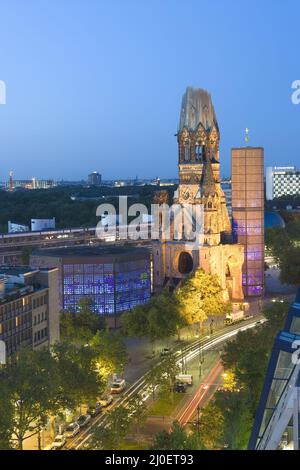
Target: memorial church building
[{"x": 199, "y": 184}]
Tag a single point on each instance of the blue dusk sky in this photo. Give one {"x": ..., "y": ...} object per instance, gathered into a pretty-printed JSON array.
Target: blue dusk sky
[{"x": 97, "y": 84}]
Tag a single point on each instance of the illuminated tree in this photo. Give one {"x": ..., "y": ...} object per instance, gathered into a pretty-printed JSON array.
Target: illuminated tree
[
  {"x": 110, "y": 352},
  {"x": 201, "y": 296}
]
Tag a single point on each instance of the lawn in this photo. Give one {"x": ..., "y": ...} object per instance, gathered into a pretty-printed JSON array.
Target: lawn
[
  {"x": 129, "y": 445},
  {"x": 164, "y": 405}
]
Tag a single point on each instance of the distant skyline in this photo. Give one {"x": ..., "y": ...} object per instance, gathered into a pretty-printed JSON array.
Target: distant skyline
[{"x": 97, "y": 85}]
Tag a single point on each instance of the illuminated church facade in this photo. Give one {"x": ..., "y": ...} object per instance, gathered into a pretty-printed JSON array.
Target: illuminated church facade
[{"x": 199, "y": 184}]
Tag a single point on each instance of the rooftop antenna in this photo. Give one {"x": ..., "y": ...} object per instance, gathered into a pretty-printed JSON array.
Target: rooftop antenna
[{"x": 247, "y": 135}]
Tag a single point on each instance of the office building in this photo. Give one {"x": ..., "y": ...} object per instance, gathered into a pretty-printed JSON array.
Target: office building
[
  {"x": 29, "y": 312},
  {"x": 94, "y": 179},
  {"x": 276, "y": 424},
  {"x": 282, "y": 181},
  {"x": 116, "y": 279},
  {"x": 247, "y": 179}
]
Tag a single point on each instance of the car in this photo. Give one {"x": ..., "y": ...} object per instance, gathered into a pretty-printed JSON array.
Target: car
[
  {"x": 165, "y": 352},
  {"x": 83, "y": 420},
  {"x": 179, "y": 387},
  {"x": 58, "y": 442},
  {"x": 106, "y": 400},
  {"x": 118, "y": 386},
  {"x": 72, "y": 429},
  {"x": 94, "y": 410}
]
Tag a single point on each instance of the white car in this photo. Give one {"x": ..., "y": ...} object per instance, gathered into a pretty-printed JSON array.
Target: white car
[
  {"x": 118, "y": 386},
  {"x": 72, "y": 430},
  {"x": 58, "y": 442}
]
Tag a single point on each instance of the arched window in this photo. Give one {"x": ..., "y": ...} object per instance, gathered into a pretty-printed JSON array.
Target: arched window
[
  {"x": 198, "y": 151},
  {"x": 186, "y": 150},
  {"x": 185, "y": 263}
]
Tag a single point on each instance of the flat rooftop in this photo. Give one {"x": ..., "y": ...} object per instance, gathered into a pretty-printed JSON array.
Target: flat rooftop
[
  {"x": 90, "y": 251},
  {"x": 16, "y": 270}
]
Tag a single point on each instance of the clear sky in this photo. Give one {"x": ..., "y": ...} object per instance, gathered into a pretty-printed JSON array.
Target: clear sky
[{"x": 97, "y": 84}]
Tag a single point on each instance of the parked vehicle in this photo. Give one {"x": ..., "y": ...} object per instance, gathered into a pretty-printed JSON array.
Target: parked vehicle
[
  {"x": 165, "y": 352},
  {"x": 180, "y": 387},
  {"x": 58, "y": 442},
  {"x": 94, "y": 410},
  {"x": 185, "y": 378},
  {"x": 105, "y": 400},
  {"x": 72, "y": 430},
  {"x": 118, "y": 386},
  {"x": 83, "y": 420},
  {"x": 234, "y": 317}
]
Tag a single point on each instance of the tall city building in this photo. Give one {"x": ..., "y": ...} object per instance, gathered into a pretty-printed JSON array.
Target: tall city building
[
  {"x": 199, "y": 186},
  {"x": 276, "y": 424},
  {"x": 282, "y": 181},
  {"x": 247, "y": 179},
  {"x": 94, "y": 179},
  {"x": 29, "y": 310}
]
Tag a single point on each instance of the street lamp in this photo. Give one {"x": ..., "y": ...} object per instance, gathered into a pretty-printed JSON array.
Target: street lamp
[{"x": 201, "y": 359}]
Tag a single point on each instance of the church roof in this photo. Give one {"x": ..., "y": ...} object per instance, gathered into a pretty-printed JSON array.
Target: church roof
[{"x": 196, "y": 108}]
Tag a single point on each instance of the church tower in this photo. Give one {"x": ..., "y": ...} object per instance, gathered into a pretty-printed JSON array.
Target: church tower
[{"x": 199, "y": 185}]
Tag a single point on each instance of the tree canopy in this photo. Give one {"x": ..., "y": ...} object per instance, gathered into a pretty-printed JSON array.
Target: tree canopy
[{"x": 201, "y": 296}]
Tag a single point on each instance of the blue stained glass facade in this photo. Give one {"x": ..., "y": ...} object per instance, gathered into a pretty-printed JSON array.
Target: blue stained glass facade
[{"x": 112, "y": 287}]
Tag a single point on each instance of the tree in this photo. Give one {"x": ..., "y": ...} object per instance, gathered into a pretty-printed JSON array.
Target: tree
[
  {"x": 177, "y": 439},
  {"x": 110, "y": 352},
  {"x": 79, "y": 327},
  {"x": 162, "y": 376},
  {"x": 6, "y": 414},
  {"x": 110, "y": 435},
  {"x": 160, "y": 318},
  {"x": 154, "y": 379},
  {"x": 290, "y": 266},
  {"x": 277, "y": 242},
  {"x": 135, "y": 322},
  {"x": 247, "y": 357},
  {"x": 237, "y": 418},
  {"x": 211, "y": 426},
  {"x": 32, "y": 384},
  {"x": 275, "y": 313},
  {"x": 79, "y": 381},
  {"x": 283, "y": 245},
  {"x": 137, "y": 411},
  {"x": 169, "y": 371},
  {"x": 201, "y": 296}
]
